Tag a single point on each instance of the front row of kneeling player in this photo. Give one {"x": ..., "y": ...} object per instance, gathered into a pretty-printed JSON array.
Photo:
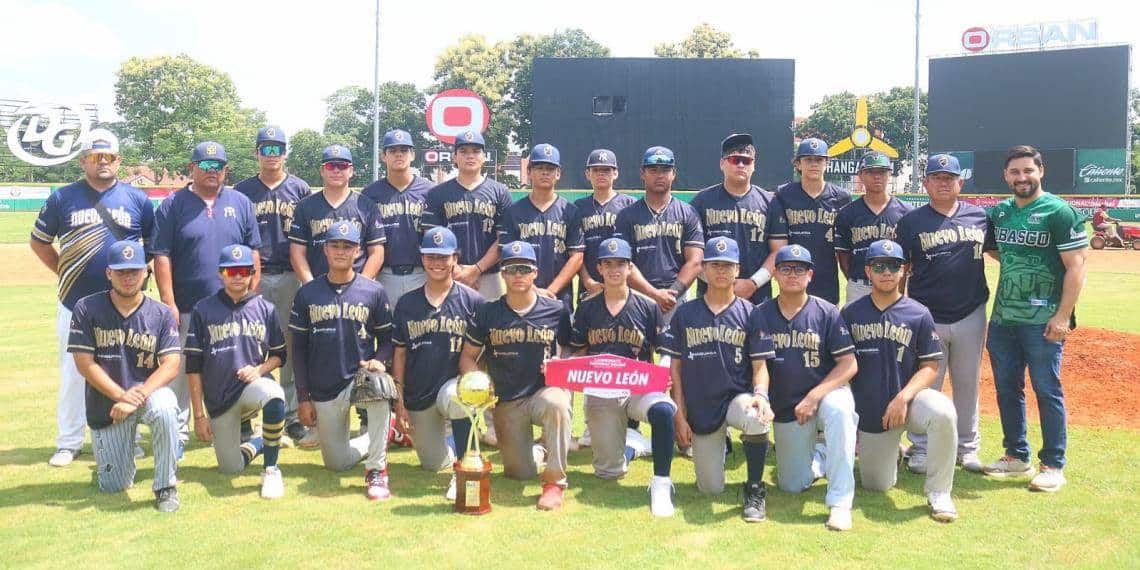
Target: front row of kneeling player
[{"x": 794, "y": 365}]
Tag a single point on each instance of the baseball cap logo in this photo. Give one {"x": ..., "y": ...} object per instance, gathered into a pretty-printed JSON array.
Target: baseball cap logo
[
  {"x": 796, "y": 251},
  {"x": 516, "y": 248},
  {"x": 660, "y": 151},
  {"x": 211, "y": 149},
  {"x": 613, "y": 247},
  {"x": 943, "y": 160},
  {"x": 343, "y": 229},
  {"x": 721, "y": 246},
  {"x": 128, "y": 253},
  {"x": 271, "y": 132},
  {"x": 888, "y": 247},
  {"x": 336, "y": 151},
  {"x": 813, "y": 144},
  {"x": 468, "y": 136},
  {"x": 602, "y": 157},
  {"x": 399, "y": 136},
  {"x": 437, "y": 239},
  {"x": 235, "y": 253},
  {"x": 548, "y": 150}
]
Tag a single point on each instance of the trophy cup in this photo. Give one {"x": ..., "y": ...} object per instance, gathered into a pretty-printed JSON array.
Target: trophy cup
[{"x": 473, "y": 473}]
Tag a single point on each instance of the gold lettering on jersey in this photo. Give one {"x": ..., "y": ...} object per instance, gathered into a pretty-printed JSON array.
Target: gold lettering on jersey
[
  {"x": 945, "y": 236},
  {"x": 695, "y": 336},
  {"x": 872, "y": 232},
  {"x": 274, "y": 206},
  {"x": 91, "y": 216},
  {"x": 516, "y": 335},
  {"x": 464, "y": 207},
  {"x": 621, "y": 334},
  {"x": 223, "y": 331},
  {"x": 819, "y": 215},
  {"x": 602, "y": 220},
  {"x": 394, "y": 209},
  {"x": 545, "y": 228},
  {"x": 656, "y": 229},
  {"x": 796, "y": 339},
  {"x": 318, "y": 227},
  {"x": 354, "y": 312},
  {"x": 736, "y": 216},
  {"x": 454, "y": 326},
  {"x": 107, "y": 338},
  {"x": 890, "y": 331}
]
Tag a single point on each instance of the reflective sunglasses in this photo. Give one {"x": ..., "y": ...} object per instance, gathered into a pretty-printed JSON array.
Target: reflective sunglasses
[
  {"x": 336, "y": 165},
  {"x": 98, "y": 157},
  {"x": 519, "y": 269},
  {"x": 211, "y": 165},
  {"x": 881, "y": 266},
  {"x": 737, "y": 160},
  {"x": 237, "y": 271},
  {"x": 271, "y": 150},
  {"x": 796, "y": 269}
]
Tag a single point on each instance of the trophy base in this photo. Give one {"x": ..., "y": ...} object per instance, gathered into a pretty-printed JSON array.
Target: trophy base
[{"x": 473, "y": 490}]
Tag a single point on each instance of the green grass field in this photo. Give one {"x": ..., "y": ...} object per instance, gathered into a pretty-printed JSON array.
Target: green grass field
[{"x": 55, "y": 518}]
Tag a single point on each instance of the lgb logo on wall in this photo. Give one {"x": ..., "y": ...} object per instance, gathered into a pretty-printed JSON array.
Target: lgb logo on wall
[{"x": 45, "y": 134}]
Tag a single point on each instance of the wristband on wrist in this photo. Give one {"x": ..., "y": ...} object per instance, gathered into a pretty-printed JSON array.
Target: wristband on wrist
[
  {"x": 757, "y": 391},
  {"x": 477, "y": 266},
  {"x": 761, "y": 277}
]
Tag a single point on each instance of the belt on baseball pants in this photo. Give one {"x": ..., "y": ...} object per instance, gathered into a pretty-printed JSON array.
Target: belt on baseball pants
[
  {"x": 862, "y": 282},
  {"x": 402, "y": 269}
]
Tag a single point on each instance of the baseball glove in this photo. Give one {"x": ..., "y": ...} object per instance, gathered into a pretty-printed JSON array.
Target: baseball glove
[{"x": 372, "y": 386}]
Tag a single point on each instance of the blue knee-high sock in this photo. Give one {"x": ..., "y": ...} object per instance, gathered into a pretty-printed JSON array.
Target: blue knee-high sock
[
  {"x": 460, "y": 431},
  {"x": 272, "y": 424},
  {"x": 662, "y": 432},
  {"x": 755, "y": 452}
]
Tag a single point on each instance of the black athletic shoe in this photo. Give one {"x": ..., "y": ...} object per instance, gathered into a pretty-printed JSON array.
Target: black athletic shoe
[
  {"x": 755, "y": 502},
  {"x": 166, "y": 500},
  {"x": 296, "y": 431},
  {"x": 246, "y": 431}
]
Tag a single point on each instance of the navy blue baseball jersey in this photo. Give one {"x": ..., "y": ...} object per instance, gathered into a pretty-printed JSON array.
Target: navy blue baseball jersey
[
  {"x": 274, "y": 208},
  {"x": 810, "y": 222},
  {"x": 70, "y": 215},
  {"x": 856, "y": 227},
  {"x": 805, "y": 350},
  {"x": 515, "y": 345},
  {"x": 315, "y": 216},
  {"x": 433, "y": 337},
  {"x": 745, "y": 219},
  {"x": 658, "y": 239},
  {"x": 551, "y": 232},
  {"x": 191, "y": 233},
  {"x": 632, "y": 332},
  {"x": 127, "y": 348},
  {"x": 400, "y": 214},
  {"x": 335, "y": 326},
  {"x": 889, "y": 346},
  {"x": 595, "y": 223},
  {"x": 225, "y": 337},
  {"x": 716, "y": 365},
  {"x": 948, "y": 273},
  {"x": 474, "y": 216}
]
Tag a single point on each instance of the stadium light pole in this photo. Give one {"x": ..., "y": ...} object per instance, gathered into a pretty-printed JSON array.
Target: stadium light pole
[
  {"x": 917, "y": 125},
  {"x": 376, "y": 103}
]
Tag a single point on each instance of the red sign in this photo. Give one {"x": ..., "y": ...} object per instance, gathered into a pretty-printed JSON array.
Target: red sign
[
  {"x": 975, "y": 39},
  {"x": 607, "y": 376},
  {"x": 455, "y": 111}
]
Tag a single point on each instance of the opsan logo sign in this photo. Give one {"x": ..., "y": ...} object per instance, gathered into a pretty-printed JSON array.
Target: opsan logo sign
[
  {"x": 454, "y": 111},
  {"x": 1029, "y": 36},
  {"x": 48, "y": 134}
]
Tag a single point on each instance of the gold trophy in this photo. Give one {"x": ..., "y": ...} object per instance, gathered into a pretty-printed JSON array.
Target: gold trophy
[{"x": 473, "y": 473}]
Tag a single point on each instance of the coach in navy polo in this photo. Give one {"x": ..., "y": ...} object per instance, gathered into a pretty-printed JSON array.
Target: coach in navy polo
[
  {"x": 191, "y": 226},
  {"x": 401, "y": 197}
]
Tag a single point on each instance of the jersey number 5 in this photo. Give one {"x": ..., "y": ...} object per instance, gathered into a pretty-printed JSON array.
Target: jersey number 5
[{"x": 811, "y": 359}]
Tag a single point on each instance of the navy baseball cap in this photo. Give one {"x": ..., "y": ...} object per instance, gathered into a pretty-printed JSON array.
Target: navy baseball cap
[
  {"x": 874, "y": 160},
  {"x": 721, "y": 248},
  {"x": 336, "y": 153},
  {"x": 885, "y": 248},
  {"x": 601, "y": 157},
  {"x": 518, "y": 251},
  {"x": 235, "y": 255},
  {"x": 470, "y": 137},
  {"x": 126, "y": 254},
  {"x": 270, "y": 134},
  {"x": 439, "y": 241},
  {"x": 545, "y": 154},
  {"x": 943, "y": 163},
  {"x": 658, "y": 156},
  {"x": 209, "y": 150},
  {"x": 794, "y": 254},
  {"x": 735, "y": 140},
  {"x": 614, "y": 248},
  {"x": 343, "y": 231},
  {"x": 812, "y": 147},
  {"x": 397, "y": 137}
]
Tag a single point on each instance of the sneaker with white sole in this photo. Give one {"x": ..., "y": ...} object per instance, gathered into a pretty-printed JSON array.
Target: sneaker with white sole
[
  {"x": 63, "y": 457},
  {"x": 451, "y": 489},
  {"x": 661, "y": 496},
  {"x": 376, "y": 485},
  {"x": 818, "y": 460},
  {"x": 584, "y": 439},
  {"x": 970, "y": 462},
  {"x": 941, "y": 507},
  {"x": 755, "y": 502},
  {"x": 638, "y": 442},
  {"x": 1048, "y": 480},
  {"x": 272, "y": 483},
  {"x": 1008, "y": 467},
  {"x": 916, "y": 463},
  {"x": 839, "y": 519},
  {"x": 311, "y": 439},
  {"x": 166, "y": 500}
]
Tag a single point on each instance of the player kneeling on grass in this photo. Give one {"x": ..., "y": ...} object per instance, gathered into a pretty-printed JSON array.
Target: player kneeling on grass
[
  {"x": 342, "y": 324},
  {"x": 430, "y": 323},
  {"x": 897, "y": 348},
  {"x": 518, "y": 333},
  {"x": 718, "y": 380},
  {"x": 125, "y": 345},
  {"x": 625, "y": 323},
  {"x": 234, "y": 342},
  {"x": 812, "y": 365}
]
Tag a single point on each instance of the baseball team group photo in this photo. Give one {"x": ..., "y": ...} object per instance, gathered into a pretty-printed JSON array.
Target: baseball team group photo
[{"x": 558, "y": 317}]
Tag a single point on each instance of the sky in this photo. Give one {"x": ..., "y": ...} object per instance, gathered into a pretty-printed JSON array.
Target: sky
[{"x": 286, "y": 56}]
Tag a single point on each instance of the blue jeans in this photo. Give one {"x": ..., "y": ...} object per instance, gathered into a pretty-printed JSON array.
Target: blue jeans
[{"x": 1012, "y": 348}]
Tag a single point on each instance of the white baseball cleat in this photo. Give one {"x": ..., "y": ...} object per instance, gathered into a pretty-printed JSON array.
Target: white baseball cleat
[
  {"x": 63, "y": 457},
  {"x": 272, "y": 483},
  {"x": 661, "y": 496},
  {"x": 941, "y": 507},
  {"x": 840, "y": 519}
]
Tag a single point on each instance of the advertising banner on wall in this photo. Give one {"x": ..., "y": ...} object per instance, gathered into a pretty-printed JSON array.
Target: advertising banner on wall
[{"x": 1102, "y": 171}]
